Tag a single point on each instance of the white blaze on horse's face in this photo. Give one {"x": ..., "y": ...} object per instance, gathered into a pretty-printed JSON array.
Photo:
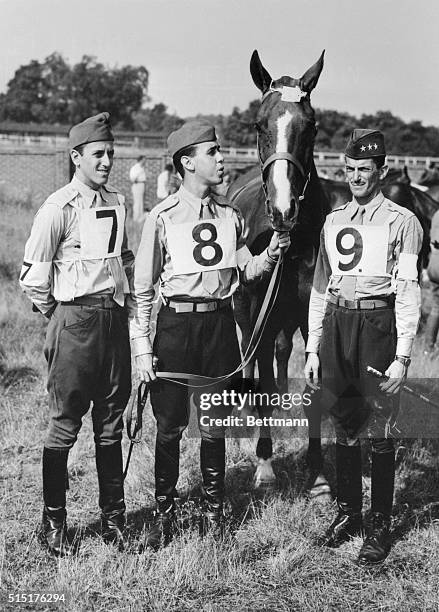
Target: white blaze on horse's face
[{"x": 280, "y": 166}]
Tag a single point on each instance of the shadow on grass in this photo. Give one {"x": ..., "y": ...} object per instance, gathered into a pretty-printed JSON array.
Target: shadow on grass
[
  {"x": 10, "y": 377},
  {"x": 416, "y": 502}
]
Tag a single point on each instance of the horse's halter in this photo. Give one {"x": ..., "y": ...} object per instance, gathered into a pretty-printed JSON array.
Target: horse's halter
[{"x": 280, "y": 155}]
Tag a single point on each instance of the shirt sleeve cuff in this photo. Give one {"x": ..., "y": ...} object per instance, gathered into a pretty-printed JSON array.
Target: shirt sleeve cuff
[
  {"x": 404, "y": 346},
  {"x": 141, "y": 346},
  {"x": 313, "y": 344},
  {"x": 271, "y": 261}
]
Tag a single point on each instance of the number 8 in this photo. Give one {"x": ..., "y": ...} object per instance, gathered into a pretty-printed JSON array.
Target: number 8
[{"x": 198, "y": 255}]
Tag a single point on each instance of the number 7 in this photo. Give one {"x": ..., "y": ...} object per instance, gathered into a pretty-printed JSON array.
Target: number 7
[
  {"x": 102, "y": 214},
  {"x": 28, "y": 266}
]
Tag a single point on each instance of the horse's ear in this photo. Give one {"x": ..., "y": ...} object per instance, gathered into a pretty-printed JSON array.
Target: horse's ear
[
  {"x": 261, "y": 78},
  {"x": 406, "y": 174},
  {"x": 311, "y": 76}
]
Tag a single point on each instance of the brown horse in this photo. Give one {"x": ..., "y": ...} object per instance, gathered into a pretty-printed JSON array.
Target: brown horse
[
  {"x": 303, "y": 215},
  {"x": 284, "y": 194}
]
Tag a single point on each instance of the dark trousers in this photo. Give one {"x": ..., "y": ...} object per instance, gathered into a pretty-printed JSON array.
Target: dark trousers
[
  {"x": 352, "y": 340},
  {"x": 198, "y": 343},
  {"x": 88, "y": 354}
]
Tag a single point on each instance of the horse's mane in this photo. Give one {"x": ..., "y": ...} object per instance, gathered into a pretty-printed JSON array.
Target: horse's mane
[
  {"x": 397, "y": 175},
  {"x": 424, "y": 203}
]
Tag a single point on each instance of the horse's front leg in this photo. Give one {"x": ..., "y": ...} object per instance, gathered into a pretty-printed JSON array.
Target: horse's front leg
[
  {"x": 264, "y": 475},
  {"x": 242, "y": 308},
  {"x": 317, "y": 485},
  {"x": 283, "y": 349}
]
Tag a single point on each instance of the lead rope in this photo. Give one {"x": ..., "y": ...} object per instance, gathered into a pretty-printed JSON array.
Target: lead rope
[{"x": 139, "y": 399}]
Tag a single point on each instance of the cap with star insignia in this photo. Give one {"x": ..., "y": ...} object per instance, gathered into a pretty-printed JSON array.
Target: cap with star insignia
[{"x": 364, "y": 144}]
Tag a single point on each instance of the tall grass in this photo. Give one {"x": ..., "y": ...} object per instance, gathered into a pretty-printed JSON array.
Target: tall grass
[{"x": 268, "y": 560}]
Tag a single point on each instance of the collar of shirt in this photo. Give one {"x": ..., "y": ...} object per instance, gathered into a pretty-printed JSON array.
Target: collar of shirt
[
  {"x": 369, "y": 209},
  {"x": 194, "y": 202},
  {"x": 86, "y": 192}
]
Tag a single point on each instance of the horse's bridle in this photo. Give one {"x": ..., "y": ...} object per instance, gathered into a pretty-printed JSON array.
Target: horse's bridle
[{"x": 280, "y": 155}]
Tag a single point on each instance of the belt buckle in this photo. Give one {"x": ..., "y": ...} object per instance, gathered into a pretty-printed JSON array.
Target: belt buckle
[{"x": 183, "y": 307}]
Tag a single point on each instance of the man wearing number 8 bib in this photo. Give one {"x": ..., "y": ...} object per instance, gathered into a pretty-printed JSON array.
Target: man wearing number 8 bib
[
  {"x": 75, "y": 271},
  {"x": 193, "y": 245},
  {"x": 364, "y": 311}
]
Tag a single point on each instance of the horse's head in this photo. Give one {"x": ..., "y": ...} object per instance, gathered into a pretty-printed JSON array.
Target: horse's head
[{"x": 286, "y": 131}]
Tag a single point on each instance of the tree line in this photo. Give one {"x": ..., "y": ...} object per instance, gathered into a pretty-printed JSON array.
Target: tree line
[{"x": 55, "y": 92}]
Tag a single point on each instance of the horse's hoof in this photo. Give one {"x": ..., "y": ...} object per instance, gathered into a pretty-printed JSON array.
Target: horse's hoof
[
  {"x": 320, "y": 490},
  {"x": 264, "y": 478}
]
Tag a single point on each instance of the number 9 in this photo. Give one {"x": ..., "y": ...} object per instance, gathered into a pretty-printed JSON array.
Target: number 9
[{"x": 356, "y": 249}]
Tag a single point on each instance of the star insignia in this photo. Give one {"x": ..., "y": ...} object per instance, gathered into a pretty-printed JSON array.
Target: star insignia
[
  {"x": 375, "y": 146},
  {"x": 369, "y": 146},
  {"x": 363, "y": 148}
]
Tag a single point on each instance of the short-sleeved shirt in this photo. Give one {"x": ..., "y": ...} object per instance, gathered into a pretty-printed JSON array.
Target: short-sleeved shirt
[{"x": 137, "y": 173}]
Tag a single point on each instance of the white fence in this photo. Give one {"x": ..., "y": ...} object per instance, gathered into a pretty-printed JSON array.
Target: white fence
[{"x": 323, "y": 158}]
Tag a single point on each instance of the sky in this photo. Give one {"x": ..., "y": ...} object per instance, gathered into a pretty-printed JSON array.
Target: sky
[{"x": 380, "y": 54}]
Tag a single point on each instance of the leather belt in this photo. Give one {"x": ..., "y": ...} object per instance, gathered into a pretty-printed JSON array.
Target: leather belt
[
  {"x": 104, "y": 301},
  {"x": 363, "y": 304},
  {"x": 210, "y": 306}
]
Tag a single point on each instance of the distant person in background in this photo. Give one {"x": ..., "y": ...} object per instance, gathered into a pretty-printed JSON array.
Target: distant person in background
[
  {"x": 432, "y": 327},
  {"x": 167, "y": 182},
  {"x": 138, "y": 180}
]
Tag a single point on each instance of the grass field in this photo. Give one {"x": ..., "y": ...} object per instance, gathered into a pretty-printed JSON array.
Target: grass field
[{"x": 267, "y": 562}]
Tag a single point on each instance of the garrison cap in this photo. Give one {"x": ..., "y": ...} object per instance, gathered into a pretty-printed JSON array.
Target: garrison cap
[
  {"x": 364, "y": 144},
  {"x": 93, "y": 129},
  {"x": 190, "y": 133}
]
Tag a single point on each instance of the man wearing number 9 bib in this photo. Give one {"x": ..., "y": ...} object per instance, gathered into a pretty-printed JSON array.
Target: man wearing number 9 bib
[
  {"x": 364, "y": 311},
  {"x": 193, "y": 245},
  {"x": 75, "y": 271}
]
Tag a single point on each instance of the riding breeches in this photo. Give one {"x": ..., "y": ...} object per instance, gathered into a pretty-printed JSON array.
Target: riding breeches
[
  {"x": 351, "y": 341},
  {"x": 88, "y": 354}
]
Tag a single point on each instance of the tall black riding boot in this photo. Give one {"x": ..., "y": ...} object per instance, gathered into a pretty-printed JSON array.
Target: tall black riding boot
[
  {"x": 54, "y": 528},
  {"x": 377, "y": 544},
  {"x": 111, "y": 493},
  {"x": 348, "y": 522},
  {"x": 213, "y": 468},
  {"x": 164, "y": 525}
]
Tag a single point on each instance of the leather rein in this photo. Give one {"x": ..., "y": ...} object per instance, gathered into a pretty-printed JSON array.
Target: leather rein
[{"x": 283, "y": 155}]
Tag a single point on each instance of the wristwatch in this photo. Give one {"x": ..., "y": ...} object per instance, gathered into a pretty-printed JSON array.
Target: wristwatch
[{"x": 406, "y": 361}]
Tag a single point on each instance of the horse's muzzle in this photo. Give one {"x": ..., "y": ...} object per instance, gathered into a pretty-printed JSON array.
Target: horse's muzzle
[{"x": 282, "y": 222}]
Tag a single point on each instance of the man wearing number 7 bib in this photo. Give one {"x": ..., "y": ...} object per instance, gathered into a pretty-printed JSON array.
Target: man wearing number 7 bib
[
  {"x": 75, "y": 272},
  {"x": 193, "y": 244},
  {"x": 364, "y": 311}
]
